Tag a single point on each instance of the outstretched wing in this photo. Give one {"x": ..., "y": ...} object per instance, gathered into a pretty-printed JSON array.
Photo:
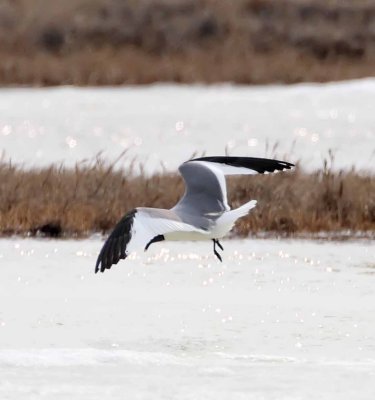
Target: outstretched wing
[
  {"x": 245, "y": 165},
  {"x": 206, "y": 191},
  {"x": 137, "y": 229}
]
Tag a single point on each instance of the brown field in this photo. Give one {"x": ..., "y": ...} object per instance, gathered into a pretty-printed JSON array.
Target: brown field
[
  {"x": 59, "y": 201},
  {"x": 112, "y": 42}
]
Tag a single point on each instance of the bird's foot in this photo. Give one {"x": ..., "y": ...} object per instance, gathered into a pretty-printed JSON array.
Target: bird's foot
[{"x": 158, "y": 238}]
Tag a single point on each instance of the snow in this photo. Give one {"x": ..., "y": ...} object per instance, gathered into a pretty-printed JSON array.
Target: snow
[
  {"x": 163, "y": 125},
  {"x": 278, "y": 319}
]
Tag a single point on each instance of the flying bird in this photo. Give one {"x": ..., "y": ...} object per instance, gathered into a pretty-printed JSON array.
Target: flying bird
[{"x": 202, "y": 213}]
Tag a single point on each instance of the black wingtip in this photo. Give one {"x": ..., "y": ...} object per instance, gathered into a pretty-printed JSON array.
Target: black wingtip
[
  {"x": 260, "y": 165},
  {"x": 98, "y": 262},
  {"x": 99, "y": 265},
  {"x": 114, "y": 247}
]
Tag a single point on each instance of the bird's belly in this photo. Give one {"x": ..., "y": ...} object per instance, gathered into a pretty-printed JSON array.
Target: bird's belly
[
  {"x": 179, "y": 236},
  {"x": 217, "y": 232},
  {"x": 220, "y": 230}
]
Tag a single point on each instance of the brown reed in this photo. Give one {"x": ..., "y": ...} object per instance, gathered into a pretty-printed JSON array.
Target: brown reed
[
  {"x": 112, "y": 42},
  {"x": 92, "y": 196}
]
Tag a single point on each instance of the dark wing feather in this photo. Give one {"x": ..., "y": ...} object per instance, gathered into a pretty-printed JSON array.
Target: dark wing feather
[
  {"x": 260, "y": 165},
  {"x": 114, "y": 248}
]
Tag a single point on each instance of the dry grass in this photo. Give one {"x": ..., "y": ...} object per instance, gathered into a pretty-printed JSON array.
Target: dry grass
[
  {"x": 110, "y": 42},
  {"x": 91, "y": 197}
]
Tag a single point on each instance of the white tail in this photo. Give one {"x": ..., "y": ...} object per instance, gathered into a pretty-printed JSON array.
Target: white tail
[
  {"x": 242, "y": 210},
  {"x": 226, "y": 221}
]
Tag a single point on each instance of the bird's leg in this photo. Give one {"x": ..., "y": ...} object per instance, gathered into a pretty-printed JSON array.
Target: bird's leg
[
  {"x": 219, "y": 244},
  {"x": 215, "y": 252},
  {"x": 158, "y": 238}
]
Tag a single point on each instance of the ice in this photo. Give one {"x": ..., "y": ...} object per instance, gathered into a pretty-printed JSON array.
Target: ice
[
  {"x": 163, "y": 125},
  {"x": 278, "y": 319}
]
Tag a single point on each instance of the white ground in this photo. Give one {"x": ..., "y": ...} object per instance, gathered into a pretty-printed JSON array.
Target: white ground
[
  {"x": 276, "y": 320},
  {"x": 166, "y": 124}
]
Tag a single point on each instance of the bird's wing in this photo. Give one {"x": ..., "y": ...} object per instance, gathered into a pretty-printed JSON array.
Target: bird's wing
[
  {"x": 245, "y": 165},
  {"x": 135, "y": 230},
  {"x": 206, "y": 191}
]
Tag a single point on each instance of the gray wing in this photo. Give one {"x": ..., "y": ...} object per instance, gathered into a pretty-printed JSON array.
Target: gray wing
[{"x": 205, "y": 197}]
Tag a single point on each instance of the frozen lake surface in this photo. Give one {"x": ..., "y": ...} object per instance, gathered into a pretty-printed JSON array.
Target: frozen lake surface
[
  {"x": 276, "y": 320},
  {"x": 166, "y": 124}
]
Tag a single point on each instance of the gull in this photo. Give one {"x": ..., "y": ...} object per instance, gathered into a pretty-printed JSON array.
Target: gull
[{"x": 202, "y": 213}]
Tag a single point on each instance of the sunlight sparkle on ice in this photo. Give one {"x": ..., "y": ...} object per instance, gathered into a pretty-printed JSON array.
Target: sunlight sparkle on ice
[
  {"x": 179, "y": 126},
  {"x": 71, "y": 142},
  {"x": 252, "y": 142},
  {"x": 300, "y": 132},
  {"x": 6, "y": 130}
]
